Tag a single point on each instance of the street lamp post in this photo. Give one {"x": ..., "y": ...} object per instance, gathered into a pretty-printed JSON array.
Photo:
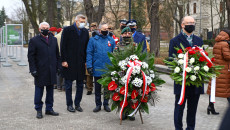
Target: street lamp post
[
  {"x": 59, "y": 8},
  {"x": 129, "y": 9}
]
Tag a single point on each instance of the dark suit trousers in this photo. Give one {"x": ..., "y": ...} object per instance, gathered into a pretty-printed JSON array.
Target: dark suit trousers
[
  {"x": 192, "y": 102},
  {"x": 98, "y": 93},
  {"x": 49, "y": 98},
  {"x": 68, "y": 91}
]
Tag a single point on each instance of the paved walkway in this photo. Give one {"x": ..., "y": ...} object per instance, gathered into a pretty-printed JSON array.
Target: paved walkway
[{"x": 17, "y": 108}]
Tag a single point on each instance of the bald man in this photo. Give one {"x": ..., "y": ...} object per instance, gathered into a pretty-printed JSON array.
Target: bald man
[{"x": 192, "y": 93}]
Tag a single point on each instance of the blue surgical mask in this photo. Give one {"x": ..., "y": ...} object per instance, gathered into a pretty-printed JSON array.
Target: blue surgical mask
[
  {"x": 81, "y": 25},
  {"x": 55, "y": 33}
]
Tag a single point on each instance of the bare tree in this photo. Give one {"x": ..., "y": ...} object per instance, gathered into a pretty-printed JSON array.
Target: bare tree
[
  {"x": 94, "y": 14},
  {"x": 221, "y": 12},
  {"x": 52, "y": 13},
  {"x": 228, "y": 11},
  {"x": 20, "y": 16},
  {"x": 31, "y": 9},
  {"x": 153, "y": 11}
]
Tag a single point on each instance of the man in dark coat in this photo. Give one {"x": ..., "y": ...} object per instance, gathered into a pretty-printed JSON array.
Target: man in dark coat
[
  {"x": 44, "y": 61},
  {"x": 138, "y": 37},
  {"x": 73, "y": 54},
  {"x": 192, "y": 93}
]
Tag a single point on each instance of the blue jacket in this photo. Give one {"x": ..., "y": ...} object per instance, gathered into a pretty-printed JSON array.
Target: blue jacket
[
  {"x": 175, "y": 42},
  {"x": 97, "y": 50},
  {"x": 140, "y": 38}
]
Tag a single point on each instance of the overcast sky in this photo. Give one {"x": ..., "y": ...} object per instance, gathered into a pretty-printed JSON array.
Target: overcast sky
[{"x": 10, "y": 6}]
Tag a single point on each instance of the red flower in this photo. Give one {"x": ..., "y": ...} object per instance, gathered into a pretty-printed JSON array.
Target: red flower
[
  {"x": 153, "y": 87},
  {"x": 134, "y": 94},
  {"x": 116, "y": 97},
  {"x": 201, "y": 59},
  {"x": 145, "y": 99},
  {"x": 188, "y": 48},
  {"x": 180, "y": 51},
  {"x": 147, "y": 90},
  {"x": 213, "y": 59},
  {"x": 134, "y": 105},
  {"x": 209, "y": 64},
  {"x": 206, "y": 53},
  {"x": 126, "y": 103},
  {"x": 112, "y": 86},
  {"x": 197, "y": 48},
  {"x": 122, "y": 90},
  {"x": 191, "y": 52}
]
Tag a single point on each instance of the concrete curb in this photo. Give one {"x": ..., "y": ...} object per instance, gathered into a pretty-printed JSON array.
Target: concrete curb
[{"x": 163, "y": 69}]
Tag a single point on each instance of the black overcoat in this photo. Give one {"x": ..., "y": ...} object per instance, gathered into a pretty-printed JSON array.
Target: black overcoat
[
  {"x": 73, "y": 51},
  {"x": 44, "y": 58}
]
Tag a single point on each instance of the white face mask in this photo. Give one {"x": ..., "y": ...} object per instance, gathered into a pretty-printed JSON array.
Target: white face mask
[{"x": 81, "y": 25}]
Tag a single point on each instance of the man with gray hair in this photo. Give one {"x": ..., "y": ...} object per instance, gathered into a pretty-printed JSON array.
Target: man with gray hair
[
  {"x": 73, "y": 54},
  {"x": 44, "y": 63},
  {"x": 97, "y": 58}
]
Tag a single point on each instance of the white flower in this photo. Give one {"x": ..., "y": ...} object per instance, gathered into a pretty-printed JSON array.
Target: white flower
[
  {"x": 197, "y": 68},
  {"x": 123, "y": 80},
  {"x": 137, "y": 82},
  {"x": 151, "y": 71},
  {"x": 177, "y": 70},
  {"x": 206, "y": 68},
  {"x": 136, "y": 70},
  {"x": 133, "y": 57},
  {"x": 113, "y": 73},
  {"x": 149, "y": 80},
  {"x": 188, "y": 69},
  {"x": 152, "y": 76},
  {"x": 117, "y": 89},
  {"x": 192, "y": 60},
  {"x": 181, "y": 62},
  {"x": 181, "y": 56},
  {"x": 122, "y": 64},
  {"x": 193, "y": 77},
  {"x": 145, "y": 65}
]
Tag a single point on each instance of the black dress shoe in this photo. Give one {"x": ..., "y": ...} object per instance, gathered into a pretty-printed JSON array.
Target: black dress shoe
[
  {"x": 106, "y": 108},
  {"x": 78, "y": 108},
  {"x": 97, "y": 109},
  {"x": 89, "y": 93},
  {"x": 132, "y": 118},
  {"x": 53, "y": 113},
  {"x": 70, "y": 109},
  {"x": 39, "y": 114}
]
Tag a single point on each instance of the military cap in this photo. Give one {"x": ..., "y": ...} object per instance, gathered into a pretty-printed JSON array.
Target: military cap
[
  {"x": 131, "y": 22},
  {"x": 93, "y": 24},
  {"x": 123, "y": 21}
]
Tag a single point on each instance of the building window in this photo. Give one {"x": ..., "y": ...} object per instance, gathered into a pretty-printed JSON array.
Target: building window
[
  {"x": 188, "y": 8},
  {"x": 194, "y": 8}
]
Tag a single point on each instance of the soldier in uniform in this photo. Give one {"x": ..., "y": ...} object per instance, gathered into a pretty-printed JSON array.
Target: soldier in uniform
[
  {"x": 138, "y": 37},
  {"x": 117, "y": 32}
]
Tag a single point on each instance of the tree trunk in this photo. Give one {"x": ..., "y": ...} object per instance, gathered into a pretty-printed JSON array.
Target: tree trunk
[
  {"x": 31, "y": 14},
  {"x": 228, "y": 12},
  {"x": 92, "y": 14},
  {"x": 153, "y": 9},
  {"x": 51, "y": 12}
]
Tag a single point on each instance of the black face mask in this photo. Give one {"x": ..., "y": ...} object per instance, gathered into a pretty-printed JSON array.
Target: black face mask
[
  {"x": 122, "y": 27},
  {"x": 189, "y": 28},
  {"x": 133, "y": 29},
  {"x": 110, "y": 34},
  {"x": 126, "y": 39},
  {"x": 45, "y": 32},
  {"x": 104, "y": 33}
]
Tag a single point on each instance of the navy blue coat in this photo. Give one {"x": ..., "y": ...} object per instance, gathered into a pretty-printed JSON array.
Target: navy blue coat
[
  {"x": 175, "y": 42},
  {"x": 44, "y": 58},
  {"x": 97, "y": 53},
  {"x": 140, "y": 38},
  {"x": 73, "y": 51}
]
